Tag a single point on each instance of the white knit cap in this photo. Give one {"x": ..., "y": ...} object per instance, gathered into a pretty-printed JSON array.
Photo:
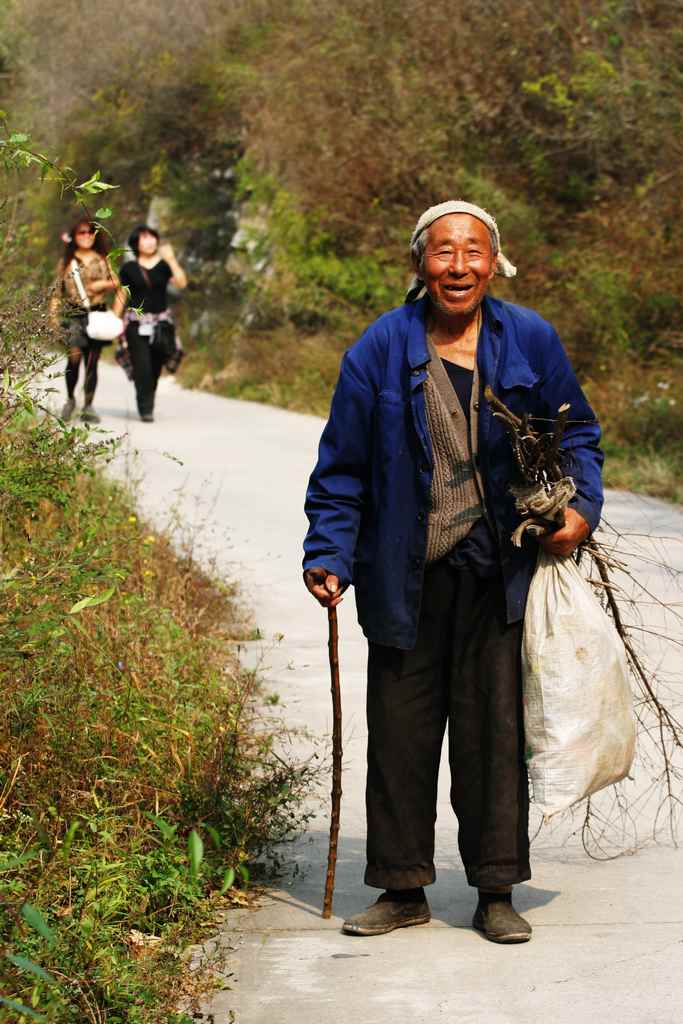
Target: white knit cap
[{"x": 503, "y": 265}]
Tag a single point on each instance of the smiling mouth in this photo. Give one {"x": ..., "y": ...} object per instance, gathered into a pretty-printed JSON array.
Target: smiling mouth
[{"x": 457, "y": 289}]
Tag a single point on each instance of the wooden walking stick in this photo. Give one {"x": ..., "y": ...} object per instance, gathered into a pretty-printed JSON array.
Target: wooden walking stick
[{"x": 333, "y": 645}]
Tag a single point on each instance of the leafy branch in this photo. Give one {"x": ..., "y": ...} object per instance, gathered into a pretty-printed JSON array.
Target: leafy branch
[{"x": 16, "y": 154}]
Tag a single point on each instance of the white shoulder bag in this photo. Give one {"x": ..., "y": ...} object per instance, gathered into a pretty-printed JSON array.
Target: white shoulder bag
[{"x": 102, "y": 325}]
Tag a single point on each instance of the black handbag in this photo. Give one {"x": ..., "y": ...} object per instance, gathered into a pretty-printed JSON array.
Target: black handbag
[
  {"x": 172, "y": 364},
  {"x": 163, "y": 341}
]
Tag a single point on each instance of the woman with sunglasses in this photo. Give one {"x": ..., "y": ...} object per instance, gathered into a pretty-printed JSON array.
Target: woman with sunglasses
[{"x": 84, "y": 257}]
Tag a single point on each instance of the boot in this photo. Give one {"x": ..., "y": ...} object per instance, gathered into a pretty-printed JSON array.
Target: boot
[
  {"x": 498, "y": 920},
  {"x": 389, "y": 912}
]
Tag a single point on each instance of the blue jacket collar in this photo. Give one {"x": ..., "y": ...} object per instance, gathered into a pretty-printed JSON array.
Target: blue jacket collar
[
  {"x": 418, "y": 354},
  {"x": 516, "y": 369},
  {"x": 492, "y": 309}
]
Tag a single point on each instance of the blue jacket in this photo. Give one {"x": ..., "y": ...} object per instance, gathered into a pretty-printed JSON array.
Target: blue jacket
[{"x": 369, "y": 494}]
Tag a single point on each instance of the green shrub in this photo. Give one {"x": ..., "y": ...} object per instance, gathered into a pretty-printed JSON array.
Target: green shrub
[{"x": 139, "y": 786}]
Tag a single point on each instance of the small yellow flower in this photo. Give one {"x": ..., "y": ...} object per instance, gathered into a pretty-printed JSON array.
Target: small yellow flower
[
  {"x": 147, "y": 572},
  {"x": 151, "y": 539},
  {"x": 132, "y": 519}
]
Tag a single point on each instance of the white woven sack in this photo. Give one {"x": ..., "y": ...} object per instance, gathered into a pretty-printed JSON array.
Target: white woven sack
[{"x": 578, "y": 708}]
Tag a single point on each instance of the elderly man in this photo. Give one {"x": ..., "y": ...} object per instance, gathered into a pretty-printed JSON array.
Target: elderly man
[{"x": 410, "y": 501}]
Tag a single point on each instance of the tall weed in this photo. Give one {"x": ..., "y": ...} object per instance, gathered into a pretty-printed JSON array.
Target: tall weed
[{"x": 140, "y": 786}]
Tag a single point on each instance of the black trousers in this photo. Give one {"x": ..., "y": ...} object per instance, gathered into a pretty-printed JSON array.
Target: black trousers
[
  {"x": 88, "y": 353},
  {"x": 147, "y": 365},
  {"x": 464, "y": 672}
]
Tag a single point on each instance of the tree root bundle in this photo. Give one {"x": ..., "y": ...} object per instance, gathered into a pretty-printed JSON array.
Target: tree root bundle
[{"x": 546, "y": 490}]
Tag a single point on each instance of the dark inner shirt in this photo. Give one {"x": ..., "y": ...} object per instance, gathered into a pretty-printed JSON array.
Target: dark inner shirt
[
  {"x": 478, "y": 550},
  {"x": 461, "y": 378},
  {"x": 150, "y": 296}
]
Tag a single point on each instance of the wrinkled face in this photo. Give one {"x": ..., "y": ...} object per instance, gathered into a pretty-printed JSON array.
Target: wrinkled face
[
  {"x": 84, "y": 236},
  {"x": 147, "y": 243},
  {"x": 458, "y": 263}
]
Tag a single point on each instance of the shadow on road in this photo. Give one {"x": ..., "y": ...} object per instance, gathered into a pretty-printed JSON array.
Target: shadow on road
[{"x": 452, "y": 900}]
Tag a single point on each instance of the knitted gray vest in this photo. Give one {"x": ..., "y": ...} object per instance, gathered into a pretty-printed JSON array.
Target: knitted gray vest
[{"x": 455, "y": 497}]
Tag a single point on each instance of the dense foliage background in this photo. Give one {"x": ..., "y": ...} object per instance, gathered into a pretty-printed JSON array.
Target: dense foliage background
[{"x": 319, "y": 131}]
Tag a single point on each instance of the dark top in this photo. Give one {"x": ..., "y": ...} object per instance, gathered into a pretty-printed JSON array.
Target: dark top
[
  {"x": 478, "y": 550},
  {"x": 461, "y": 379},
  {"x": 147, "y": 286}
]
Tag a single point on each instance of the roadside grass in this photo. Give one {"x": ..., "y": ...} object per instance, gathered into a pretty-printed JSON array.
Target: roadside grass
[
  {"x": 280, "y": 366},
  {"x": 140, "y": 785},
  {"x": 647, "y": 471},
  {"x": 640, "y": 408}
]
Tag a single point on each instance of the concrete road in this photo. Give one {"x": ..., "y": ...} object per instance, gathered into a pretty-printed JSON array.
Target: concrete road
[{"x": 608, "y": 936}]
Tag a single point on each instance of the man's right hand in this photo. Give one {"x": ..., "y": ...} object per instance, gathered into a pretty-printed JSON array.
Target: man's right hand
[{"x": 324, "y": 586}]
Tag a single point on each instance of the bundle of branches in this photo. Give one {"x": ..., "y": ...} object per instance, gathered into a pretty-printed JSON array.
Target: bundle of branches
[
  {"x": 546, "y": 491},
  {"x": 626, "y": 572}
]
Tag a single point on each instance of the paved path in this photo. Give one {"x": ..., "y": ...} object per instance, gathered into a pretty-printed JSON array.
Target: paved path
[{"x": 608, "y": 940}]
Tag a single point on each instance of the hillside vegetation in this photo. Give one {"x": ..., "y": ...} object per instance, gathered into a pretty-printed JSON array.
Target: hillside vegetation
[
  {"x": 138, "y": 783},
  {"x": 140, "y": 787},
  {"x": 322, "y": 130}
]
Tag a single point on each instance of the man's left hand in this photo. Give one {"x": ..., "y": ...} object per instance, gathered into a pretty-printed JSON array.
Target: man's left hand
[{"x": 567, "y": 539}]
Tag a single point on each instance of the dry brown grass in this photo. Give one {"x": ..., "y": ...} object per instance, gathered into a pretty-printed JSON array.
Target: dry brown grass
[{"x": 125, "y": 725}]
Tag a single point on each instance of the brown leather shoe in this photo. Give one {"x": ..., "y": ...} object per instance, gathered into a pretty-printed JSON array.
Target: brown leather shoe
[
  {"x": 500, "y": 922},
  {"x": 387, "y": 914}
]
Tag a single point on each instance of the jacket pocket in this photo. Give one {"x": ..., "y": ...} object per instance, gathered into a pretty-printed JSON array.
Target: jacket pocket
[
  {"x": 392, "y": 414},
  {"x": 519, "y": 390}
]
